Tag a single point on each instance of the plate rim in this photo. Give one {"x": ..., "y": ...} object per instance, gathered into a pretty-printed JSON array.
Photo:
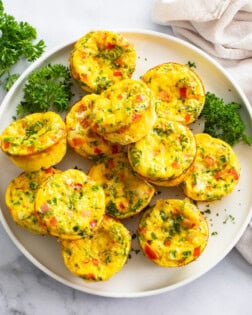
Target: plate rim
[{"x": 116, "y": 294}]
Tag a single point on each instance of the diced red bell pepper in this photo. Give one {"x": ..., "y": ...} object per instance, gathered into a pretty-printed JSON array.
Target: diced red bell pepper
[
  {"x": 110, "y": 46},
  {"x": 187, "y": 117},
  {"x": 150, "y": 252},
  {"x": 77, "y": 141},
  {"x": 6, "y": 144},
  {"x": 117, "y": 73},
  {"x": 234, "y": 173},
  {"x": 53, "y": 221},
  {"x": 97, "y": 151},
  {"x": 196, "y": 251},
  {"x": 182, "y": 91}
]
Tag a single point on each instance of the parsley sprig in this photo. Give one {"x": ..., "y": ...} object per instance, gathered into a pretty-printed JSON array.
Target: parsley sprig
[
  {"x": 16, "y": 43},
  {"x": 46, "y": 88},
  {"x": 223, "y": 120}
]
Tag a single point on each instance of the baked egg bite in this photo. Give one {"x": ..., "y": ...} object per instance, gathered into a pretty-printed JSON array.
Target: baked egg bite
[
  {"x": 216, "y": 170},
  {"x": 126, "y": 194},
  {"x": 173, "y": 232},
  {"x": 20, "y": 196},
  {"x": 70, "y": 204},
  {"x": 165, "y": 153},
  {"x": 36, "y": 141},
  {"x": 81, "y": 137},
  {"x": 125, "y": 112},
  {"x": 179, "y": 90},
  {"x": 101, "y": 58},
  {"x": 175, "y": 181},
  {"x": 99, "y": 257}
]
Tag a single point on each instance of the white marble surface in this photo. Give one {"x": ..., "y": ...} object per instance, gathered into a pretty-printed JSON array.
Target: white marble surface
[{"x": 24, "y": 289}]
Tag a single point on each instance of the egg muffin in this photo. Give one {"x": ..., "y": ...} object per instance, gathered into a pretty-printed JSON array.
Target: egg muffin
[
  {"x": 216, "y": 170},
  {"x": 173, "y": 232},
  {"x": 179, "y": 90},
  {"x": 165, "y": 153},
  {"x": 70, "y": 204},
  {"x": 126, "y": 194},
  {"x": 81, "y": 137},
  {"x": 35, "y": 141},
  {"x": 101, "y": 58},
  {"x": 175, "y": 181},
  {"x": 99, "y": 257},
  {"x": 125, "y": 112},
  {"x": 20, "y": 196}
]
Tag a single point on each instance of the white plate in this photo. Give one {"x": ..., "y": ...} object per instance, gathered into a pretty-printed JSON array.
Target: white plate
[{"x": 140, "y": 277}]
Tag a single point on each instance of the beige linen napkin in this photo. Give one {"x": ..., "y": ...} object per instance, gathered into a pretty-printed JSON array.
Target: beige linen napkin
[{"x": 223, "y": 28}]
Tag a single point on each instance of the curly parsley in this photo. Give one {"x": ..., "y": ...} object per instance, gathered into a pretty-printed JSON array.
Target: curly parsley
[
  {"x": 47, "y": 88},
  {"x": 16, "y": 42},
  {"x": 223, "y": 120}
]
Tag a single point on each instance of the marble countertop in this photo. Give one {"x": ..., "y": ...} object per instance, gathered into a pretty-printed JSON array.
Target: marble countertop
[{"x": 26, "y": 290}]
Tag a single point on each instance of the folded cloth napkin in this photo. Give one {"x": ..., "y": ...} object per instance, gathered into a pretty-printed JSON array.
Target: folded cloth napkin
[{"x": 223, "y": 28}]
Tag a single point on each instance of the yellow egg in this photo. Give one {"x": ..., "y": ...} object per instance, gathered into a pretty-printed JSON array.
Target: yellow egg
[
  {"x": 20, "y": 196},
  {"x": 216, "y": 170},
  {"x": 81, "y": 137},
  {"x": 35, "y": 141},
  {"x": 99, "y": 257},
  {"x": 125, "y": 112},
  {"x": 126, "y": 193},
  {"x": 101, "y": 58},
  {"x": 175, "y": 181},
  {"x": 165, "y": 153},
  {"x": 173, "y": 232},
  {"x": 179, "y": 90},
  {"x": 70, "y": 204}
]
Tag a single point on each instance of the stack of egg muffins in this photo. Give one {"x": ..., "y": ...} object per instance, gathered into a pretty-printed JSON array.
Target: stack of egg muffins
[{"x": 136, "y": 132}]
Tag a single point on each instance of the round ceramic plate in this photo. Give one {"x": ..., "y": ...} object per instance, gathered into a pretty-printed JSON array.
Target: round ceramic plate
[{"x": 227, "y": 218}]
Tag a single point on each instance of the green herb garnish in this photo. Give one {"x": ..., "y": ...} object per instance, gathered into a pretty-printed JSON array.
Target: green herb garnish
[
  {"x": 16, "y": 43},
  {"x": 191, "y": 64},
  {"x": 47, "y": 88},
  {"x": 214, "y": 233},
  {"x": 223, "y": 120}
]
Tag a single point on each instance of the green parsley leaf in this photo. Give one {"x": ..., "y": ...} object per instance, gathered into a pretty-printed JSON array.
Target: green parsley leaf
[
  {"x": 16, "y": 43},
  {"x": 47, "y": 88},
  {"x": 223, "y": 120}
]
